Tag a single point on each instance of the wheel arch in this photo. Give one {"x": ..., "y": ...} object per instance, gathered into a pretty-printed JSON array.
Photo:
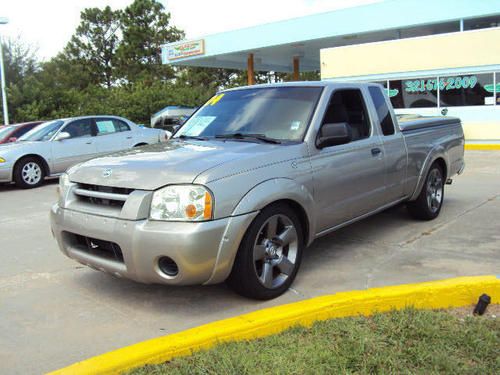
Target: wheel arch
[
  {"x": 260, "y": 196},
  {"x": 45, "y": 164},
  {"x": 436, "y": 155}
]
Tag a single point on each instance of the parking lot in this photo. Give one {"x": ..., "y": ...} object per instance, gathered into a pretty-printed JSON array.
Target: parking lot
[{"x": 53, "y": 311}]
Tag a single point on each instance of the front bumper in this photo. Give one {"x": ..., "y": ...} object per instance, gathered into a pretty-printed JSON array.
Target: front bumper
[
  {"x": 6, "y": 172},
  {"x": 204, "y": 252}
]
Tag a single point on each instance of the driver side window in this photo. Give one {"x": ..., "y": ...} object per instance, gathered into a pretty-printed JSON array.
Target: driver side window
[
  {"x": 347, "y": 106},
  {"x": 79, "y": 128}
]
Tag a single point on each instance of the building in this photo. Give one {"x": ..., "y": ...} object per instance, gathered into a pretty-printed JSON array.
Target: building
[{"x": 433, "y": 57}]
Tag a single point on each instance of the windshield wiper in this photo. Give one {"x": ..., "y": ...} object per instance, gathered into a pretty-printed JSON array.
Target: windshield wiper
[
  {"x": 260, "y": 137},
  {"x": 192, "y": 137}
]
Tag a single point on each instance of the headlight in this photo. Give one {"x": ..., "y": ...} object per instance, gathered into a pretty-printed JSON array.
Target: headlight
[
  {"x": 2, "y": 160},
  {"x": 182, "y": 203},
  {"x": 64, "y": 185}
]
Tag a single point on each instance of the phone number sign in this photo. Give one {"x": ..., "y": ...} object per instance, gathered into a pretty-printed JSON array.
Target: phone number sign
[
  {"x": 444, "y": 84},
  {"x": 184, "y": 49}
]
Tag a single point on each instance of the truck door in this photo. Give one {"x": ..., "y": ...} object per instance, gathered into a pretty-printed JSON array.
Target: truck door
[
  {"x": 394, "y": 146},
  {"x": 348, "y": 178}
]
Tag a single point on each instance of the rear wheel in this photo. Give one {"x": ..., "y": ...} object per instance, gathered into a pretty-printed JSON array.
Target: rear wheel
[
  {"x": 430, "y": 200},
  {"x": 29, "y": 173},
  {"x": 269, "y": 255}
]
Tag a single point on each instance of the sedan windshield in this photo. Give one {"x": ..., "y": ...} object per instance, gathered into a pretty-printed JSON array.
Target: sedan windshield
[
  {"x": 279, "y": 113},
  {"x": 4, "y": 130},
  {"x": 43, "y": 132}
]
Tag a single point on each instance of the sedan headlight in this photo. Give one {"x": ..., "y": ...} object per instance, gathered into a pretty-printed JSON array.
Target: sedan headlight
[
  {"x": 2, "y": 160},
  {"x": 182, "y": 203}
]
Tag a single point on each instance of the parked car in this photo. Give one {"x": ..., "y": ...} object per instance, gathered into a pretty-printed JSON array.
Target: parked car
[
  {"x": 249, "y": 181},
  {"x": 171, "y": 118},
  {"x": 53, "y": 147},
  {"x": 11, "y": 133}
]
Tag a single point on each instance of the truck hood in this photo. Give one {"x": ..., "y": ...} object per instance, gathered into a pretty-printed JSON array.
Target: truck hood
[{"x": 174, "y": 162}]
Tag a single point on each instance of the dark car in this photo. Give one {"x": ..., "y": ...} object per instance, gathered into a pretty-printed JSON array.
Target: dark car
[{"x": 11, "y": 133}]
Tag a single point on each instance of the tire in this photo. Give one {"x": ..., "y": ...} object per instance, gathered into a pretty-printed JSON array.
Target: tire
[
  {"x": 269, "y": 255},
  {"x": 29, "y": 173},
  {"x": 428, "y": 204}
]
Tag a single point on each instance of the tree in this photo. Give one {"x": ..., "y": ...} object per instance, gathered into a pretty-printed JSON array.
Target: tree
[
  {"x": 95, "y": 43},
  {"x": 145, "y": 26}
]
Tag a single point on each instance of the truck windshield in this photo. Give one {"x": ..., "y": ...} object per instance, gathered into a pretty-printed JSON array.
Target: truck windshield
[
  {"x": 43, "y": 132},
  {"x": 280, "y": 113}
]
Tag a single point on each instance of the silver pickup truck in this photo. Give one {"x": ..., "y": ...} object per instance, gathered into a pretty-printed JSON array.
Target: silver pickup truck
[{"x": 249, "y": 181}]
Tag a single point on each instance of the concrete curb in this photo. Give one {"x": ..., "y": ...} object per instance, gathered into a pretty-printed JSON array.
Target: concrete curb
[
  {"x": 455, "y": 292},
  {"x": 482, "y": 146}
]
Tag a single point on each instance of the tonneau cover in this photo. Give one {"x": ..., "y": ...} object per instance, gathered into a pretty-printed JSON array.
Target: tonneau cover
[{"x": 415, "y": 122}]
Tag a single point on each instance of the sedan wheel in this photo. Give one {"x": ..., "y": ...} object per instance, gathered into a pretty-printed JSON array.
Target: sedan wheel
[{"x": 29, "y": 173}]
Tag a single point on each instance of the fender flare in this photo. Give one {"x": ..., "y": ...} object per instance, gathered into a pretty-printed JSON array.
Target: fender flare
[
  {"x": 437, "y": 152},
  {"x": 278, "y": 189},
  {"x": 258, "y": 197}
]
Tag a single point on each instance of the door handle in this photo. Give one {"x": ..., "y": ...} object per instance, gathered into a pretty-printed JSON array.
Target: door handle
[
  {"x": 376, "y": 151},
  {"x": 129, "y": 137},
  {"x": 88, "y": 143}
]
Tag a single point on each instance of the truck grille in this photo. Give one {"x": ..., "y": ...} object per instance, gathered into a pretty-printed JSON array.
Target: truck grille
[
  {"x": 100, "y": 248},
  {"x": 102, "y": 195}
]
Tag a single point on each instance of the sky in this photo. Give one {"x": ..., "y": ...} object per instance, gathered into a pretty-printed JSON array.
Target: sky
[{"x": 47, "y": 25}]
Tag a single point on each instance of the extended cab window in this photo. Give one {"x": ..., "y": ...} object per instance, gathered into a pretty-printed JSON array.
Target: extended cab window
[
  {"x": 347, "y": 106},
  {"x": 383, "y": 112}
]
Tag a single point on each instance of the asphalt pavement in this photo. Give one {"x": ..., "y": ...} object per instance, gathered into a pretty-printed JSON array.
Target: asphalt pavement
[{"x": 54, "y": 311}]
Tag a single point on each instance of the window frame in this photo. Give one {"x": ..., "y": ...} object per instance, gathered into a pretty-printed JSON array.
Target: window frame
[
  {"x": 93, "y": 130},
  {"x": 384, "y": 98},
  {"x": 365, "y": 108}
]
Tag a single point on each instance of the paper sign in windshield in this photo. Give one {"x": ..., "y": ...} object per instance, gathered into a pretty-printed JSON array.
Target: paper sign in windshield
[{"x": 197, "y": 124}]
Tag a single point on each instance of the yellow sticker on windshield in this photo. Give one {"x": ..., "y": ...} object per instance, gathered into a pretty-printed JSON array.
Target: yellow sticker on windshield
[{"x": 215, "y": 99}]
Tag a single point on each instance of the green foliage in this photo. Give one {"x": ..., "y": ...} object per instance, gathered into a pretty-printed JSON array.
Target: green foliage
[
  {"x": 94, "y": 44},
  {"x": 145, "y": 27},
  {"x": 112, "y": 65},
  {"x": 402, "y": 342}
]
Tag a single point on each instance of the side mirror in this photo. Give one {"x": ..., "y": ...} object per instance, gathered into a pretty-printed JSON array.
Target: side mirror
[
  {"x": 168, "y": 135},
  {"x": 12, "y": 139},
  {"x": 62, "y": 136},
  {"x": 334, "y": 134}
]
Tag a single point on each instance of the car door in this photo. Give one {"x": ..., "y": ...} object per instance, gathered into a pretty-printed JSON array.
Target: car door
[
  {"x": 80, "y": 145},
  {"x": 348, "y": 178},
  {"x": 112, "y": 135},
  {"x": 394, "y": 146}
]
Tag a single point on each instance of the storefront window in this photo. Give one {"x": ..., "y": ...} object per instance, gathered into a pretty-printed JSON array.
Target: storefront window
[
  {"x": 497, "y": 83},
  {"x": 413, "y": 93},
  {"x": 466, "y": 90}
]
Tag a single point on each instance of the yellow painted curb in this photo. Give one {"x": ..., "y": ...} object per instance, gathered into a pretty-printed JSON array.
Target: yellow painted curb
[
  {"x": 456, "y": 292},
  {"x": 483, "y": 146}
]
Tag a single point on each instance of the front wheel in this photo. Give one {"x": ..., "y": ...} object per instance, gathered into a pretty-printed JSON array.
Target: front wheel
[
  {"x": 269, "y": 255},
  {"x": 430, "y": 200},
  {"x": 29, "y": 173}
]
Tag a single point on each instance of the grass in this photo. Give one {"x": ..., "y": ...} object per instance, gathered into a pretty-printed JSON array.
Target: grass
[{"x": 400, "y": 342}]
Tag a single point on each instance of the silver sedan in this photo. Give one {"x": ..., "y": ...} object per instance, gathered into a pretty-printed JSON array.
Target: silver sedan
[{"x": 53, "y": 147}]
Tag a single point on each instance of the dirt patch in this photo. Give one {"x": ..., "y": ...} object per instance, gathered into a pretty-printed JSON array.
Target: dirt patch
[{"x": 492, "y": 312}]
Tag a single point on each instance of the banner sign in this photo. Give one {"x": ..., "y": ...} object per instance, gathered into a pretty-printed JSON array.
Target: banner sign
[{"x": 184, "y": 49}]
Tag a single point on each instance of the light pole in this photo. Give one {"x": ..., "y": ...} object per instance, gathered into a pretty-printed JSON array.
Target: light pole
[{"x": 3, "y": 21}]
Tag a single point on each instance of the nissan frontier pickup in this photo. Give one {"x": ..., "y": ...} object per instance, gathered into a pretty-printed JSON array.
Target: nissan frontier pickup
[{"x": 249, "y": 181}]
